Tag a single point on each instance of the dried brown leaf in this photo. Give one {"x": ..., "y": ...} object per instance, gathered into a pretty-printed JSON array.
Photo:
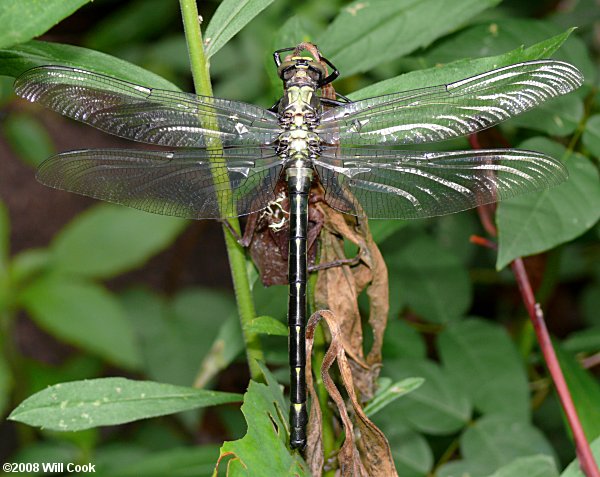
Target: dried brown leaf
[
  {"x": 338, "y": 289},
  {"x": 372, "y": 457}
]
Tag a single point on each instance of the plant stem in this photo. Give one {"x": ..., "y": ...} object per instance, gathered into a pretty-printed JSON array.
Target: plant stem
[
  {"x": 237, "y": 258},
  {"x": 586, "y": 458}
]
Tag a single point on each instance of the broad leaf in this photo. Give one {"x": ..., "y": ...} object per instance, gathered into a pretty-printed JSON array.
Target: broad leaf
[
  {"x": 504, "y": 34},
  {"x": 388, "y": 392},
  {"x": 4, "y": 244},
  {"x": 437, "y": 407},
  {"x": 411, "y": 451},
  {"x": 585, "y": 391},
  {"x": 267, "y": 325},
  {"x": 366, "y": 34},
  {"x": 264, "y": 409},
  {"x": 534, "y": 466},
  {"x": 20, "y": 58},
  {"x": 6, "y": 382},
  {"x": 28, "y": 138},
  {"x": 230, "y": 18},
  {"x": 107, "y": 240},
  {"x": 482, "y": 358},
  {"x": 176, "y": 336},
  {"x": 495, "y": 440},
  {"x": 402, "y": 341},
  {"x": 22, "y": 21},
  {"x": 430, "y": 279},
  {"x": 586, "y": 341},
  {"x": 109, "y": 401},
  {"x": 536, "y": 222},
  {"x": 461, "y": 69},
  {"x": 44, "y": 451},
  {"x": 84, "y": 314},
  {"x": 574, "y": 468},
  {"x": 591, "y": 134},
  {"x": 133, "y": 22},
  {"x": 178, "y": 462}
]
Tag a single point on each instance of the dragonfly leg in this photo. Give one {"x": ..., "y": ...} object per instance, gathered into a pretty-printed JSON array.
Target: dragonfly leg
[
  {"x": 242, "y": 240},
  {"x": 334, "y": 263}
]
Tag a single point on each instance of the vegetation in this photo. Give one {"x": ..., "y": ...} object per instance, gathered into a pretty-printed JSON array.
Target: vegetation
[{"x": 104, "y": 300}]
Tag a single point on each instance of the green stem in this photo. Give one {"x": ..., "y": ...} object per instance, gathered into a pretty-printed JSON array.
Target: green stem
[{"x": 237, "y": 258}]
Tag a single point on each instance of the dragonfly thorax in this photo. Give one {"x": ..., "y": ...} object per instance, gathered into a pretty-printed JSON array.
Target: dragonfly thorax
[{"x": 298, "y": 118}]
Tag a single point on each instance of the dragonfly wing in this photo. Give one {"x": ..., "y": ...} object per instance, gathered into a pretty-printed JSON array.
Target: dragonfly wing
[
  {"x": 167, "y": 118},
  {"x": 193, "y": 184},
  {"x": 412, "y": 185},
  {"x": 446, "y": 111}
]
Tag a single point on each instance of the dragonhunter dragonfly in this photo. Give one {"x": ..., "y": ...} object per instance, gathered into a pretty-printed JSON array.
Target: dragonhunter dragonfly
[{"x": 234, "y": 154}]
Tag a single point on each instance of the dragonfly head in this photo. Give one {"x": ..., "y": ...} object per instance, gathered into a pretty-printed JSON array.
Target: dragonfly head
[
  {"x": 296, "y": 70},
  {"x": 301, "y": 71}
]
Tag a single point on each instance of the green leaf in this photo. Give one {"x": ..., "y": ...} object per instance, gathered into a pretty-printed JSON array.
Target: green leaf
[
  {"x": 177, "y": 336},
  {"x": 411, "y": 452},
  {"x": 461, "y": 468},
  {"x": 28, "y": 263},
  {"x": 84, "y": 314},
  {"x": 574, "y": 469},
  {"x": 108, "y": 240},
  {"x": 366, "y": 34},
  {"x": 22, "y": 21},
  {"x": 591, "y": 134},
  {"x": 504, "y": 34},
  {"x": 230, "y": 18},
  {"x": 389, "y": 393},
  {"x": 537, "y": 222},
  {"x": 482, "y": 358},
  {"x": 585, "y": 391},
  {"x": 44, "y": 451},
  {"x": 182, "y": 462},
  {"x": 533, "y": 466},
  {"x": 28, "y": 138},
  {"x": 430, "y": 279},
  {"x": 267, "y": 325},
  {"x": 461, "y": 69},
  {"x": 402, "y": 341},
  {"x": 495, "y": 440},
  {"x": 133, "y": 22},
  {"x": 18, "y": 59},
  {"x": 4, "y": 237},
  {"x": 6, "y": 382},
  {"x": 109, "y": 401},
  {"x": 587, "y": 341},
  {"x": 437, "y": 407},
  {"x": 264, "y": 409},
  {"x": 383, "y": 229}
]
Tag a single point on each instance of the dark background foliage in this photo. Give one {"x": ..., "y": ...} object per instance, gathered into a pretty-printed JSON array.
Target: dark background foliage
[{"x": 90, "y": 290}]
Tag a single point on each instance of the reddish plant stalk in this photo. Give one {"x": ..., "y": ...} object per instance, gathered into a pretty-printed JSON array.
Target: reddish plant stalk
[{"x": 582, "y": 447}]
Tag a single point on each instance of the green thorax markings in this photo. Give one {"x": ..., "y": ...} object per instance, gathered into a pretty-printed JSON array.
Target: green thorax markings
[{"x": 298, "y": 116}]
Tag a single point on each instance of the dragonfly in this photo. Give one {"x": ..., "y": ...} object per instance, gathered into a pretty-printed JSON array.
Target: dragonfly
[{"x": 225, "y": 158}]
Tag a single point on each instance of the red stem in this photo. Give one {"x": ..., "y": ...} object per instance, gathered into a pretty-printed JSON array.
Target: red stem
[
  {"x": 582, "y": 447},
  {"x": 584, "y": 452}
]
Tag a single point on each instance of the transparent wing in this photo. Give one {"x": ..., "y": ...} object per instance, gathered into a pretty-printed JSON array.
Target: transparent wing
[
  {"x": 412, "y": 185},
  {"x": 446, "y": 111},
  {"x": 193, "y": 184},
  {"x": 167, "y": 118}
]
